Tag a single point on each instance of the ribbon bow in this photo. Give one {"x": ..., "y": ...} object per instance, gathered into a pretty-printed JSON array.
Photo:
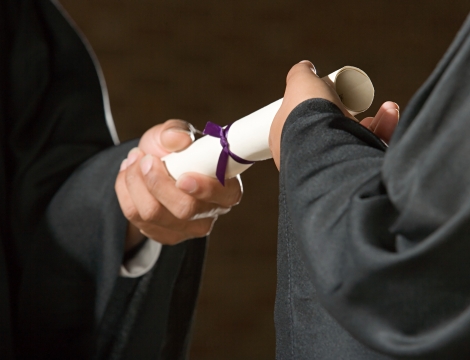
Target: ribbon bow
[{"x": 221, "y": 133}]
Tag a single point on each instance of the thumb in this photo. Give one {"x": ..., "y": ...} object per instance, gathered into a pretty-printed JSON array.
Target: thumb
[{"x": 172, "y": 135}]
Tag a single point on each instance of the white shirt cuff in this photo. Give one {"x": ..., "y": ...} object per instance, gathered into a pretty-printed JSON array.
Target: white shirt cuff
[{"x": 143, "y": 261}]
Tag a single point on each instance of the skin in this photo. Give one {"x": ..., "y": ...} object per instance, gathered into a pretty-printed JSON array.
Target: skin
[
  {"x": 169, "y": 211},
  {"x": 157, "y": 206},
  {"x": 302, "y": 83}
]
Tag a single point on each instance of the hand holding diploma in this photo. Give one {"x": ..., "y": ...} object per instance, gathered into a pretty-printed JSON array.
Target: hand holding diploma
[
  {"x": 170, "y": 212},
  {"x": 302, "y": 83},
  {"x": 228, "y": 151},
  {"x": 159, "y": 208}
]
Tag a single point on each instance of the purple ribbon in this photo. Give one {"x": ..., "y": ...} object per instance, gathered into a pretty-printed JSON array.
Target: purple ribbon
[{"x": 221, "y": 133}]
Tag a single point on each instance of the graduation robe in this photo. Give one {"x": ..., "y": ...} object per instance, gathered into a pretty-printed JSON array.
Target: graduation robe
[
  {"x": 61, "y": 228},
  {"x": 374, "y": 243}
]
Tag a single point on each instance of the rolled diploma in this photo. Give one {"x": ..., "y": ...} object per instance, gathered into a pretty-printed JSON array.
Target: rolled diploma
[{"x": 249, "y": 136}]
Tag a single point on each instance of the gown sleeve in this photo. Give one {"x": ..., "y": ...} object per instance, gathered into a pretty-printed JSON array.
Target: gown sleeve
[
  {"x": 385, "y": 234},
  {"x": 65, "y": 235}
]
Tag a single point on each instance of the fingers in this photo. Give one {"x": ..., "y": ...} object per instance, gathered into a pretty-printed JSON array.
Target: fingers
[
  {"x": 386, "y": 124},
  {"x": 152, "y": 202},
  {"x": 366, "y": 122},
  {"x": 168, "y": 236},
  {"x": 156, "y": 197},
  {"x": 162, "y": 139},
  {"x": 161, "y": 186},
  {"x": 211, "y": 190},
  {"x": 385, "y": 121},
  {"x": 386, "y": 106}
]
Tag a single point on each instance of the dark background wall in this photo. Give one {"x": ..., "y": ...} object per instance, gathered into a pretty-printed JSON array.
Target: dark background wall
[{"x": 220, "y": 60}]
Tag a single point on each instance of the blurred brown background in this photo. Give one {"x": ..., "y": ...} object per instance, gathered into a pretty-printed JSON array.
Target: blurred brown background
[{"x": 220, "y": 60}]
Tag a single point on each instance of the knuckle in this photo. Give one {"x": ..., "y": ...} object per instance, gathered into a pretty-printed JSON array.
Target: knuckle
[
  {"x": 151, "y": 213},
  {"x": 130, "y": 178},
  {"x": 210, "y": 193},
  {"x": 153, "y": 181},
  {"x": 185, "y": 209},
  {"x": 130, "y": 212}
]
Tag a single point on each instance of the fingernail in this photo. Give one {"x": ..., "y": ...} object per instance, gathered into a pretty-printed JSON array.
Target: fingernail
[
  {"x": 180, "y": 130},
  {"x": 398, "y": 106},
  {"x": 310, "y": 63},
  {"x": 187, "y": 183},
  {"x": 146, "y": 164},
  {"x": 171, "y": 138},
  {"x": 177, "y": 138},
  {"x": 123, "y": 165},
  {"x": 132, "y": 156}
]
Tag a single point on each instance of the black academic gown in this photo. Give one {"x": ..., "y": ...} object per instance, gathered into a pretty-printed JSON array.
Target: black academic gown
[
  {"x": 61, "y": 228},
  {"x": 374, "y": 244}
]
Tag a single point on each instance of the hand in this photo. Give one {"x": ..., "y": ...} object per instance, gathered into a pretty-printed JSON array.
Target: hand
[
  {"x": 157, "y": 206},
  {"x": 302, "y": 83}
]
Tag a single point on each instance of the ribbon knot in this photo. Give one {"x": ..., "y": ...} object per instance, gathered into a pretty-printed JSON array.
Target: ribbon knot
[
  {"x": 217, "y": 131},
  {"x": 223, "y": 142}
]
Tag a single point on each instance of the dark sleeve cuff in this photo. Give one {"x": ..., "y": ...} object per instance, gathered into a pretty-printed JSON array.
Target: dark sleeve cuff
[
  {"x": 319, "y": 111},
  {"x": 87, "y": 223}
]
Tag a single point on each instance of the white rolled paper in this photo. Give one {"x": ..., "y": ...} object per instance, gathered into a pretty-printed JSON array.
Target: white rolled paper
[{"x": 249, "y": 136}]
